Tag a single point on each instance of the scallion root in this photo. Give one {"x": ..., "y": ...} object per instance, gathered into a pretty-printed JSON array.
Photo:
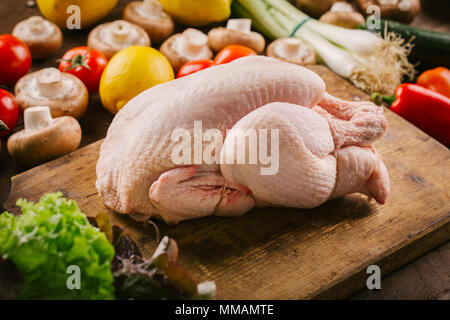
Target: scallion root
[{"x": 385, "y": 68}]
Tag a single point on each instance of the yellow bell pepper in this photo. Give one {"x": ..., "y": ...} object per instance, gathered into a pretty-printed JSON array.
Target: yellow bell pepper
[
  {"x": 197, "y": 13},
  {"x": 90, "y": 11}
]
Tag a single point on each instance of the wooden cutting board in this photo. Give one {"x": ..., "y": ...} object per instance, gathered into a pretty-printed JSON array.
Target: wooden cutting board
[{"x": 276, "y": 253}]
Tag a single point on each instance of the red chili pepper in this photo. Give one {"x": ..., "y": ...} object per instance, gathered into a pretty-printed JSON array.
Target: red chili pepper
[
  {"x": 426, "y": 109},
  {"x": 437, "y": 80}
]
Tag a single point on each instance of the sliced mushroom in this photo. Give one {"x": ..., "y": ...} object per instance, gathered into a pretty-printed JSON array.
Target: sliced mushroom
[
  {"x": 64, "y": 93},
  {"x": 42, "y": 37},
  {"x": 342, "y": 14},
  {"x": 399, "y": 10},
  {"x": 109, "y": 38},
  {"x": 149, "y": 15},
  {"x": 315, "y": 8},
  {"x": 184, "y": 47},
  {"x": 292, "y": 50},
  {"x": 236, "y": 32},
  {"x": 43, "y": 138}
]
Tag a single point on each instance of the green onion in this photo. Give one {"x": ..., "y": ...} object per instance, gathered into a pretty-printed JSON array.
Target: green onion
[{"x": 372, "y": 63}]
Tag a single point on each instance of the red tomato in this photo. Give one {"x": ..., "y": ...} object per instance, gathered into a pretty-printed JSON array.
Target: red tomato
[
  {"x": 233, "y": 52},
  {"x": 9, "y": 111},
  {"x": 15, "y": 59},
  {"x": 85, "y": 64},
  {"x": 194, "y": 66}
]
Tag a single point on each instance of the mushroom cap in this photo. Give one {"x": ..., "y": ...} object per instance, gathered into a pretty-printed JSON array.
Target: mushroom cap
[
  {"x": 159, "y": 29},
  {"x": 42, "y": 37},
  {"x": 221, "y": 37},
  {"x": 315, "y": 8},
  {"x": 343, "y": 19},
  {"x": 33, "y": 147},
  {"x": 177, "y": 59},
  {"x": 307, "y": 54},
  {"x": 71, "y": 97},
  {"x": 102, "y": 38},
  {"x": 411, "y": 9}
]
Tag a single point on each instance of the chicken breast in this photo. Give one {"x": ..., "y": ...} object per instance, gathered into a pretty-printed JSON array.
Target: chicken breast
[{"x": 137, "y": 174}]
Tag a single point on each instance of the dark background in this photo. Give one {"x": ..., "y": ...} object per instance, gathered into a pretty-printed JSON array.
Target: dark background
[{"x": 425, "y": 278}]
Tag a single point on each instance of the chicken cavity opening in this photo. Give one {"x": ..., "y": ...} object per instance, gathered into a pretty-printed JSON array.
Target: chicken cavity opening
[{"x": 181, "y": 192}]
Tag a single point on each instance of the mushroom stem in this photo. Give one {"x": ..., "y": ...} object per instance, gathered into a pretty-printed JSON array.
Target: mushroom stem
[
  {"x": 121, "y": 31},
  {"x": 241, "y": 25},
  {"x": 341, "y": 7},
  {"x": 290, "y": 48},
  {"x": 388, "y": 2},
  {"x": 151, "y": 9},
  {"x": 36, "y": 25},
  {"x": 49, "y": 82},
  {"x": 37, "y": 118},
  {"x": 405, "y": 5},
  {"x": 192, "y": 42}
]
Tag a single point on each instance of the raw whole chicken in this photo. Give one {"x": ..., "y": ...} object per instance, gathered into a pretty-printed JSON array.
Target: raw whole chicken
[{"x": 324, "y": 144}]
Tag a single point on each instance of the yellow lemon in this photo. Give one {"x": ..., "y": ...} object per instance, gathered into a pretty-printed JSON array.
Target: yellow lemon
[
  {"x": 197, "y": 12},
  {"x": 131, "y": 71},
  {"x": 90, "y": 11}
]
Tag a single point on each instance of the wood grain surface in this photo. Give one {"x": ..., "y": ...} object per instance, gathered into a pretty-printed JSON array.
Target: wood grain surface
[
  {"x": 274, "y": 253},
  {"x": 424, "y": 278}
]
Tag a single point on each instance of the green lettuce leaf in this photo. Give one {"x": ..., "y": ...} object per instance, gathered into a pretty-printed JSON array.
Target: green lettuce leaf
[{"x": 46, "y": 239}]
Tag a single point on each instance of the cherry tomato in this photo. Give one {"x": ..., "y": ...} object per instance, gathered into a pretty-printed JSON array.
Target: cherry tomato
[
  {"x": 15, "y": 59},
  {"x": 85, "y": 64},
  {"x": 233, "y": 52},
  {"x": 9, "y": 111},
  {"x": 194, "y": 66}
]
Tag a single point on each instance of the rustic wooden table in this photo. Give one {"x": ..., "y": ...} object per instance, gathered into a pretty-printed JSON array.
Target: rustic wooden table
[{"x": 424, "y": 278}]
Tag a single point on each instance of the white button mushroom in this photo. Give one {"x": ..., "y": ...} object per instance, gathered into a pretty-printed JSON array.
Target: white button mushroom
[
  {"x": 184, "y": 47},
  {"x": 64, "y": 93},
  {"x": 149, "y": 15},
  {"x": 109, "y": 38},
  {"x": 342, "y": 14},
  {"x": 341, "y": 7},
  {"x": 315, "y": 8},
  {"x": 238, "y": 31},
  {"x": 42, "y": 37},
  {"x": 43, "y": 138},
  {"x": 292, "y": 50}
]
